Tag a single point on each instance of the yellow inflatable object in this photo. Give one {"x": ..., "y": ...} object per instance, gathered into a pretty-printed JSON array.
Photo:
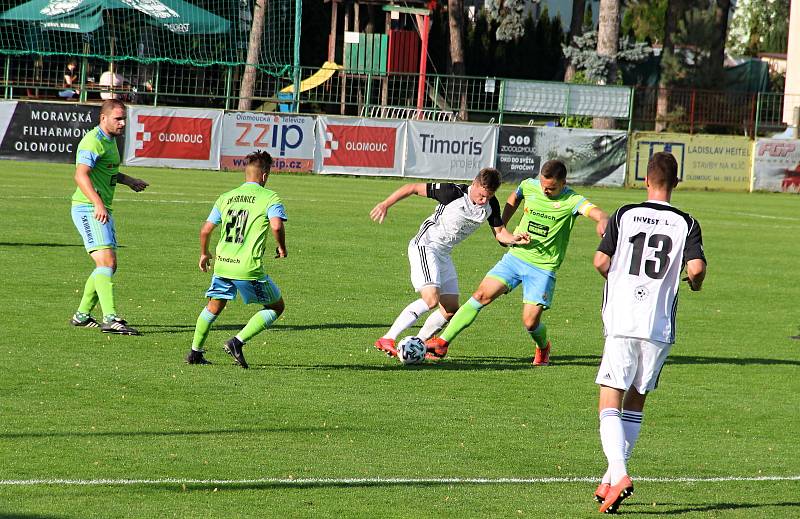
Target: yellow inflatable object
[{"x": 329, "y": 68}]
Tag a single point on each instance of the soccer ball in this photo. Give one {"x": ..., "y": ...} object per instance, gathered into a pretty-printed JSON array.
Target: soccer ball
[{"x": 411, "y": 350}]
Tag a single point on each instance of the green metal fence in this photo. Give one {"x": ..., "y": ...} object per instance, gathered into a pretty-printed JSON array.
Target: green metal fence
[{"x": 455, "y": 97}]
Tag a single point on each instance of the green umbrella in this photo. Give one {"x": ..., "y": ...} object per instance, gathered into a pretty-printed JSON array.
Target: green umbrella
[{"x": 86, "y": 16}]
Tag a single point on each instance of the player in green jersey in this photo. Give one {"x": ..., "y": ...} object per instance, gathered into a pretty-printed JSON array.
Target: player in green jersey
[
  {"x": 246, "y": 213},
  {"x": 97, "y": 175},
  {"x": 550, "y": 209}
]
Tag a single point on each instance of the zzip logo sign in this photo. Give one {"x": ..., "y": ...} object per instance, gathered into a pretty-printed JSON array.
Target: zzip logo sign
[
  {"x": 359, "y": 146},
  {"x": 166, "y": 137}
]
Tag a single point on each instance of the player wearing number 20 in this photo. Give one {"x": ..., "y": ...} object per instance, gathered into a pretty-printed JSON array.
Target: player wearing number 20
[
  {"x": 642, "y": 253},
  {"x": 246, "y": 214}
]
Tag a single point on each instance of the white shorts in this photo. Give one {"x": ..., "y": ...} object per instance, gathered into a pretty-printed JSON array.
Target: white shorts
[
  {"x": 430, "y": 268},
  {"x": 628, "y": 361}
]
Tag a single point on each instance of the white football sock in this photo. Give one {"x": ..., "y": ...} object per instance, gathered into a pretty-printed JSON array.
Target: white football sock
[
  {"x": 612, "y": 436},
  {"x": 407, "y": 317},
  {"x": 433, "y": 324},
  {"x": 631, "y": 424}
]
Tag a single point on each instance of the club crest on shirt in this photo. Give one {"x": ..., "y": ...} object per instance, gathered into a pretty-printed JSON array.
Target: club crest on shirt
[
  {"x": 557, "y": 205},
  {"x": 641, "y": 293}
]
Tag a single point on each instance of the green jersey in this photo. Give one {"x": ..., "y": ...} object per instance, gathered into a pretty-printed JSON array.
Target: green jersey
[
  {"x": 98, "y": 151},
  {"x": 549, "y": 222},
  {"x": 244, "y": 214}
]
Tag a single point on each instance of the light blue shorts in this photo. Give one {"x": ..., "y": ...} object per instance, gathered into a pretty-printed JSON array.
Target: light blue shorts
[
  {"x": 95, "y": 235},
  {"x": 263, "y": 291},
  {"x": 538, "y": 285}
]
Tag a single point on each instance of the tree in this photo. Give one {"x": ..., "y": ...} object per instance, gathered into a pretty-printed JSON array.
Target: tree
[
  {"x": 455, "y": 15},
  {"x": 575, "y": 30},
  {"x": 721, "y": 10},
  {"x": 253, "y": 51},
  {"x": 759, "y": 26},
  {"x": 691, "y": 62},
  {"x": 607, "y": 47},
  {"x": 644, "y": 20},
  {"x": 509, "y": 14},
  {"x": 593, "y": 67},
  {"x": 674, "y": 10},
  {"x": 486, "y": 56},
  {"x": 588, "y": 18}
]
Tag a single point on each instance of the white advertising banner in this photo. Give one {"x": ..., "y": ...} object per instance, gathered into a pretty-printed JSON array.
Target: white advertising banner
[
  {"x": 173, "y": 137},
  {"x": 288, "y": 138},
  {"x": 453, "y": 151},
  {"x": 357, "y": 146},
  {"x": 776, "y": 165}
]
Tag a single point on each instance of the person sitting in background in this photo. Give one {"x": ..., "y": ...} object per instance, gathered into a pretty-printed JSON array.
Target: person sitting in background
[
  {"x": 70, "y": 80},
  {"x": 110, "y": 81}
]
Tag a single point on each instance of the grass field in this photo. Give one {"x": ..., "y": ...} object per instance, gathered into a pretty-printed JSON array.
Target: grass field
[{"x": 323, "y": 425}]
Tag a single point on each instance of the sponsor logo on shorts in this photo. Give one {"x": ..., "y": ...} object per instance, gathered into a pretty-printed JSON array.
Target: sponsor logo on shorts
[{"x": 86, "y": 227}]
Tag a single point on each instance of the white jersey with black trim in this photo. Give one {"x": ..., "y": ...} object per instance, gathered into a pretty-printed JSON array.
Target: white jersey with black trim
[
  {"x": 649, "y": 244},
  {"x": 455, "y": 218}
]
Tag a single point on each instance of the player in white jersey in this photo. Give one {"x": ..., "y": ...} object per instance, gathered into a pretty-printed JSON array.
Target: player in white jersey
[
  {"x": 462, "y": 209},
  {"x": 642, "y": 253}
]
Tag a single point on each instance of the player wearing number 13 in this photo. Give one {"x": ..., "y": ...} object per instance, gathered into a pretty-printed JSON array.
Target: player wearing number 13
[
  {"x": 246, "y": 213},
  {"x": 641, "y": 255}
]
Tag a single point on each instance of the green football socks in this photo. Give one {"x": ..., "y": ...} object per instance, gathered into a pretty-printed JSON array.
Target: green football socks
[
  {"x": 201, "y": 329},
  {"x": 89, "y": 299},
  {"x": 462, "y": 319},
  {"x": 539, "y": 335},
  {"x": 105, "y": 289},
  {"x": 257, "y": 324}
]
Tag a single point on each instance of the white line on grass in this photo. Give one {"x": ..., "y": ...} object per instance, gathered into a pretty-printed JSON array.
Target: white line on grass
[
  {"x": 374, "y": 481},
  {"x": 750, "y": 215},
  {"x": 117, "y": 199}
]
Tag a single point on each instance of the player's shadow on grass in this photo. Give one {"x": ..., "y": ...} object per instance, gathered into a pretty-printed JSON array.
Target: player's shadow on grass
[
  {"x": 499, "y": 363},
  {"x": 716, "y": 507},
  {"x": 4, "y": 515},
  {"x": 735, "y": 361},
  {"x": 153, "y": 329},
  {"x": 123, "y": 434},
  {"x": 450, "y": 364},
  {"x": 21, "y": 244},
  {"x": 594, "y": 360}
]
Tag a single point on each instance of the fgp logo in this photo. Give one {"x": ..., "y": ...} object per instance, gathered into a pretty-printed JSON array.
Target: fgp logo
[
  {"x": 359, "y": 146},
  {"x": 646, "y": 149},
  {"x": 166, "y": 137},
  {"x": 776, "y": 149}
]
